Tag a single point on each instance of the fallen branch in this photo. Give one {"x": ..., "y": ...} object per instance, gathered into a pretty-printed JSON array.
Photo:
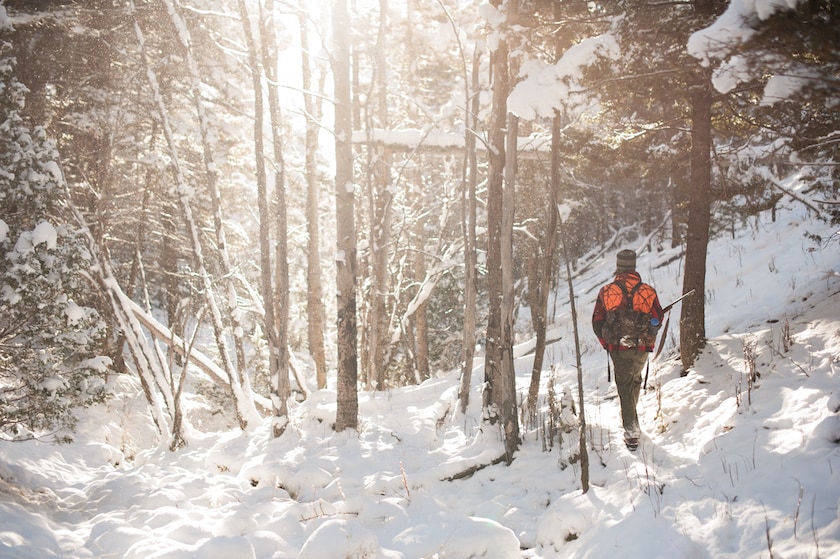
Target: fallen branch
[
  {"x": 178, "y": 345},
  {"x": 477, "y": 468}
]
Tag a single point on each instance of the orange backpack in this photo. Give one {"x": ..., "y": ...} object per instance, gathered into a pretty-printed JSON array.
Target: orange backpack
[{"x": 628, "y": 319}]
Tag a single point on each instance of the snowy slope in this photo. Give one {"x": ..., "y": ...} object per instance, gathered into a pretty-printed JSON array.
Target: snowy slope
[{"x": 726, "y": 469}]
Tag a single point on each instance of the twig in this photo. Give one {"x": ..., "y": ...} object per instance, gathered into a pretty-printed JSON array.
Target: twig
[
  {"x": 767, "y": 533},
  {"x": 405, "y": 482},
  {"x": 798, "y": 504},
  {"x": 780, "y": 354},
  {"x": 814, "y": 526}
]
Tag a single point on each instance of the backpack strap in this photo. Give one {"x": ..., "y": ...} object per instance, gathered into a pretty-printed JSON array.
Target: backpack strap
[{"x": 628, "y": 297}]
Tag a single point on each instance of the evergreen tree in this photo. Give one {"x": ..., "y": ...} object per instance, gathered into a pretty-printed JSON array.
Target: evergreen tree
[{"x": 48, "y": 334}]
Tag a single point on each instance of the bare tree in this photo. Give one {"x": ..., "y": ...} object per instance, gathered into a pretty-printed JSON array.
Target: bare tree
[
  {"x": 245, "y": 410},
  {"x": 584, "y": 452},
  {"x": 545, "y": 263},
  {"x": 314, "y": 291},
  {"x": 380, "y": 201},
  {"x": 280, "y": 376},
  {"x": 211, "y": 177},
  {"x": 347, "y": 396},
  {"x": 500, "y": 381},
  {"x": 470, "y": 180},
  {"x": 539, "y": 309}
]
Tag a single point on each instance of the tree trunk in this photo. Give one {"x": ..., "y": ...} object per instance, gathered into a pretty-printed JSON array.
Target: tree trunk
[
  {"x": 692, "y": 317},
  {"x": 347, "y": 396},
  {"x": 314, "y": 293},
  {"x": 266, "y": 280},
  {"x": 421, "y": 323},
  {"x": 500, "y": 390},
  {"x": 378, "y": 351},
  {"x": 380, "y": 244},
  {"x": 584, "y": 451},
  {"x": 496, "y": 156},
  {"x": 211, "y": 175},
  {"x": 244, "y": 409},
  {"x": 469, "y": 217},
  {"x": 280, "y": 377},
  {"x": 540, "y": 309}
]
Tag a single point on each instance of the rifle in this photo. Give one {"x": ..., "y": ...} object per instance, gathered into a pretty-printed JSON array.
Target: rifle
[
  {"x": 665, "y": 311},
  {"x": 681, "y": 297}
]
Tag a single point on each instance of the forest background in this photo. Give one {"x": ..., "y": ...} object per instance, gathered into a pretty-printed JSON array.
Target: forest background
[{"x": 398, "y": 191}]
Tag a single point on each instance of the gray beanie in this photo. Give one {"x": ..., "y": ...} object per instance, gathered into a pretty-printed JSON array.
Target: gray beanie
[{"x": 625, "y": 261}]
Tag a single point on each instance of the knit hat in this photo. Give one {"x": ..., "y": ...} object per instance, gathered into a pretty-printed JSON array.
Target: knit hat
[{"x": 625, "y": 261}]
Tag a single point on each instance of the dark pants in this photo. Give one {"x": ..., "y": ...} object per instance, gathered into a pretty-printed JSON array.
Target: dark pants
[{"x": 628, "y": 364}]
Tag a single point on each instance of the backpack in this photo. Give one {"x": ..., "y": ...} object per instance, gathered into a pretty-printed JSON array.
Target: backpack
[{"x": 628, "y": 327}]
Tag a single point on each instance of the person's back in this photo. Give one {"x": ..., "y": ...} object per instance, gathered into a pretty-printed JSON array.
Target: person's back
[
  {"x": 629, "y": 308},
  {"x": 625, "y": 319}
]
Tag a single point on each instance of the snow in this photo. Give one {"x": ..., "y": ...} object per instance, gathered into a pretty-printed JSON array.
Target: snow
[
  {"x": 549, "y": 87},
  {"x": 44, "y": 233},
  {"x": 54, "y": 170},
  {"x": 74, "y": 312},
  {"x": 726, "y": 468},
  {"x": 779, "y": 88},
  {"x": 721, "y": 40},
  {"x": 723, "y": 464},
  {"x": 544, "y": 88}
]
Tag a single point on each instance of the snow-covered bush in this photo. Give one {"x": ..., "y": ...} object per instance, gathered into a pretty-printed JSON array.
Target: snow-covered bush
[{"x": 48, "y": 335}]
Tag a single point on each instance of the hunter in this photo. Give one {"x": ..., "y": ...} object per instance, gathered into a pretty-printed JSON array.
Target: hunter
[{"x": 626, "y": 319}]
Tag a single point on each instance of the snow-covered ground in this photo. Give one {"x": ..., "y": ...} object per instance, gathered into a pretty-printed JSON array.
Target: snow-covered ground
[{"x": 725, "y": 469}]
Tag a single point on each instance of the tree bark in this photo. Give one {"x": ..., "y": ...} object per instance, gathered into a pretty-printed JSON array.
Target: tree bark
[
  {"x": 242, "y": 397},
  {"x": 314, "y": 293},
  {"x": 347, "y": 392},
  {"x": 421, "y": 322},
  {"x": 496, "y": 156},
  {"x": 584, "y": 452},
  {"x": 500, "y": 389},
  {"x": 469, "y": 218},
  {"x": 540, "y": 309},
  {"x": 380, "y": 243},
  {"x": 378, "y": 350},
  {"x": 692, "y": 317},
  {"x": 280, "y": 377}
]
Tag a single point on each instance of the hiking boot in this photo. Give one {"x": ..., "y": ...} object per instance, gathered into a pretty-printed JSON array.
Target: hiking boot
[{"x": 632, "y": 443}]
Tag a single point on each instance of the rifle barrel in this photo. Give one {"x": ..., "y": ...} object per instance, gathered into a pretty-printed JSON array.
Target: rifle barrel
[{"x": 680, "y": 298}]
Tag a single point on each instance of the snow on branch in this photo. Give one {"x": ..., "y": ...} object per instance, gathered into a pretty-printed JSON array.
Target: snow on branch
[{"x": 438, "y": 141}]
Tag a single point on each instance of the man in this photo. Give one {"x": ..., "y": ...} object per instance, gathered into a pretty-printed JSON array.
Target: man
[{"x": 626, "y": 318}]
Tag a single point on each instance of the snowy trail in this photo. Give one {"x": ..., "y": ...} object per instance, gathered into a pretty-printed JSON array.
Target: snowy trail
[{"x": 721, "y": 464}]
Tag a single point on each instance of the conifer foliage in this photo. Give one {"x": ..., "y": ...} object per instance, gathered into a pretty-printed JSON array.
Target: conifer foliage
[{"x": 48, "y": 335}]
